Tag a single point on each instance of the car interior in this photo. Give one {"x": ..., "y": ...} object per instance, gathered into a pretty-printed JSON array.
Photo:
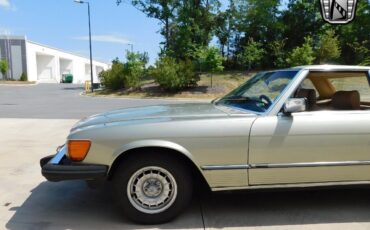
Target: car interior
[{"x": 335, "y": 91}]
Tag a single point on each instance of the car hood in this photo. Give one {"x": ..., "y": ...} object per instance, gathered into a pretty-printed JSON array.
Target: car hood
[{"x": 169, "y": 112}]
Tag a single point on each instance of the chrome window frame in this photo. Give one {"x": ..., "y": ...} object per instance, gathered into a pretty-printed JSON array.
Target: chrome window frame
[
  {"x": 296, "y": 82},
  {"x": 289, "y": 90},
  {"x": 301, "y": 75},
  {"x": 284, "y": 92}
]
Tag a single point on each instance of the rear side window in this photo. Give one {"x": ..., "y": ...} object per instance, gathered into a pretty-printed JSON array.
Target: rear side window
[{"x": 361, "y": 84}]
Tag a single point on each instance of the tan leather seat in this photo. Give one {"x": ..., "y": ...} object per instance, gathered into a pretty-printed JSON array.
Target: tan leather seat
[
  {"x": 346, "y": 100},
  {"x": 310, "y": 95}
]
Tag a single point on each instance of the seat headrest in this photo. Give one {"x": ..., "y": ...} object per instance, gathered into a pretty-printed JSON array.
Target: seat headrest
[
  {"x": 310, "y": 95},
  {"x": 346, "y": 100}
]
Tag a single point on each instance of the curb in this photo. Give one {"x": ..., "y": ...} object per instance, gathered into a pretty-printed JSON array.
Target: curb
[
  {"x": 33, "y": 84},
  {"x": 148, "y": 98}
]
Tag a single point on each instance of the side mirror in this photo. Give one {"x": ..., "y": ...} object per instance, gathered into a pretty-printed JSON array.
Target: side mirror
[{"x": 295, "y": 105}]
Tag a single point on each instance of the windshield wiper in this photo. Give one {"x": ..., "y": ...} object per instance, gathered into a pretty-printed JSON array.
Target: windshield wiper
[{"x": 241, "y": 98}]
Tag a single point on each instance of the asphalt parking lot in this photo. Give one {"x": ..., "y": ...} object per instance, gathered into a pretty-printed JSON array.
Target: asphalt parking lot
[
  {"x": 59, "y": 101},
  {"x": 36, "y": 119}
]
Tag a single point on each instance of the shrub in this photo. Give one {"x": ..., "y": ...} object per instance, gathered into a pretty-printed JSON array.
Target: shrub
[
  {"x": 3, "y": 67},
  {"x": 187, "y": 74},
  {"x": 172, "y": 75},
  {"x": 113, "y": 78},
  {"x": 124, "y": 75},
  {"x": 23, "y": 77},
  {"x": 165, "y": 73}
]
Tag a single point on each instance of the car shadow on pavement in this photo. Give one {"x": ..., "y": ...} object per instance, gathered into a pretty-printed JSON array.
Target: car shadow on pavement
[
  {"x": 288, "y": 208},
  {"x": 72, "y": 205}
]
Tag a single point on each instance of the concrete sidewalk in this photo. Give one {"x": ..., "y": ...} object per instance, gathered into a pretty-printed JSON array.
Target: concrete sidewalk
[{"x": 27, "y": 201}]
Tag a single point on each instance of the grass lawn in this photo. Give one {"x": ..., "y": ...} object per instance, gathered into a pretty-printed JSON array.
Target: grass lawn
[{"x": 221, "y": 84}]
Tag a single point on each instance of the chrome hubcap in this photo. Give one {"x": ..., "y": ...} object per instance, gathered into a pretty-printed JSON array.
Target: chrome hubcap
[{"x": 152, "y": 190}]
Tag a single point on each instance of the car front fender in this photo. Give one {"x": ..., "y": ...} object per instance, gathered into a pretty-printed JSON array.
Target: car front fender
[{"x": 151, "y": 143}]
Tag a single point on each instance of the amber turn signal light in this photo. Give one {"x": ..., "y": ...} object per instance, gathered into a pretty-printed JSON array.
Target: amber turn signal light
[{"x": 78, "y": 149}]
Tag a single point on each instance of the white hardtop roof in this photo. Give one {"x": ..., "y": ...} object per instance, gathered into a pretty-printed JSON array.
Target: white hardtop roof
[{"x": 333, "y": 67}]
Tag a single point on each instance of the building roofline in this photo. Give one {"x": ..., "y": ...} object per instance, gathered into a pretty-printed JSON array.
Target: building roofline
[
  {"x": 64, "y": 51},
  {"x": 23, "y": 37},
  {"x": 14, "y": 37}
]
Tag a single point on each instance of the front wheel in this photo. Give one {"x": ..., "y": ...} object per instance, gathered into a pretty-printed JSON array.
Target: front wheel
[{"x": 152, "y": 190}]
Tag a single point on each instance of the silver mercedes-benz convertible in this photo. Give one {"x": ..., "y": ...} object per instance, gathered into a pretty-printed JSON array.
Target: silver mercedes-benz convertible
[{"x": 299, "y": 127}]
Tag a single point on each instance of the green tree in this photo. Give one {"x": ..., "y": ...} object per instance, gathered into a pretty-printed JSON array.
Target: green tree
[
  {"x": 252, "y": 54},
  {"x": 4, "y": 67},
  {"x": 279, "y": 26},
  {"x": 144, "y": 58},
  {"x": 186, "y": 25},
  {"x": 303, "y": 55},
  {"x": 362, "y": 49},
  {"x": 278, "y": 53},
  {"x": 225, "y": 25},
  {"x": 258, "y": 20},
  {"x": 300, "y": 19},
  {"x": 209, "y": 60},
  {"x": 162, "y": 10},
  {"x": 357, "y": 31},
  {"x": 329, "y": 47},
  {"x": 195, "y": 25},
  {"x": 227, "y": 32},
  {"x": 133, "y": 70}
]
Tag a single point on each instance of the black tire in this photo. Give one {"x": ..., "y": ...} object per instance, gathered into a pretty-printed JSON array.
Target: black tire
[{"x": 182, "y": 177}]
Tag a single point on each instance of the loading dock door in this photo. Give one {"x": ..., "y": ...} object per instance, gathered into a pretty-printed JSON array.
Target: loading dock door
[{"x": 45, "y": 67}]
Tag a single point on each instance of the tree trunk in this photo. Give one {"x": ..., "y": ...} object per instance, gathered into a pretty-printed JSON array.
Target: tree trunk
[{"x": 167, "y": 32}]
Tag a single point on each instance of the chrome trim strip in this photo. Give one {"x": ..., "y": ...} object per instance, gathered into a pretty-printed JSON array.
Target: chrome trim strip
[
  {"x": 310, "y": 164},
  {"x": 58, "y": 157},
  {"x": 224, "y": 167},
  {"x": 298, "y": 185},
  {"x": 284, "y": 165}
]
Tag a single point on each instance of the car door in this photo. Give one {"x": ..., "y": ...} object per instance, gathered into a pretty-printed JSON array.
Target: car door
[{"x": 310, "y": 147}]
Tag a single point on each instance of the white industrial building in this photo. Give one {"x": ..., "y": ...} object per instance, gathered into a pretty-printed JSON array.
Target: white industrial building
[{"x": 43, "y": 63}]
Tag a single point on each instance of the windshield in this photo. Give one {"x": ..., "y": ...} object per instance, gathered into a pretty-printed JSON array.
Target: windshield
[{"x": 260, "y": 92}]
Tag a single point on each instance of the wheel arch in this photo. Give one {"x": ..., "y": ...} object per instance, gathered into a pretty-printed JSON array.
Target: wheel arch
[{"x": 159, "y": 147}]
